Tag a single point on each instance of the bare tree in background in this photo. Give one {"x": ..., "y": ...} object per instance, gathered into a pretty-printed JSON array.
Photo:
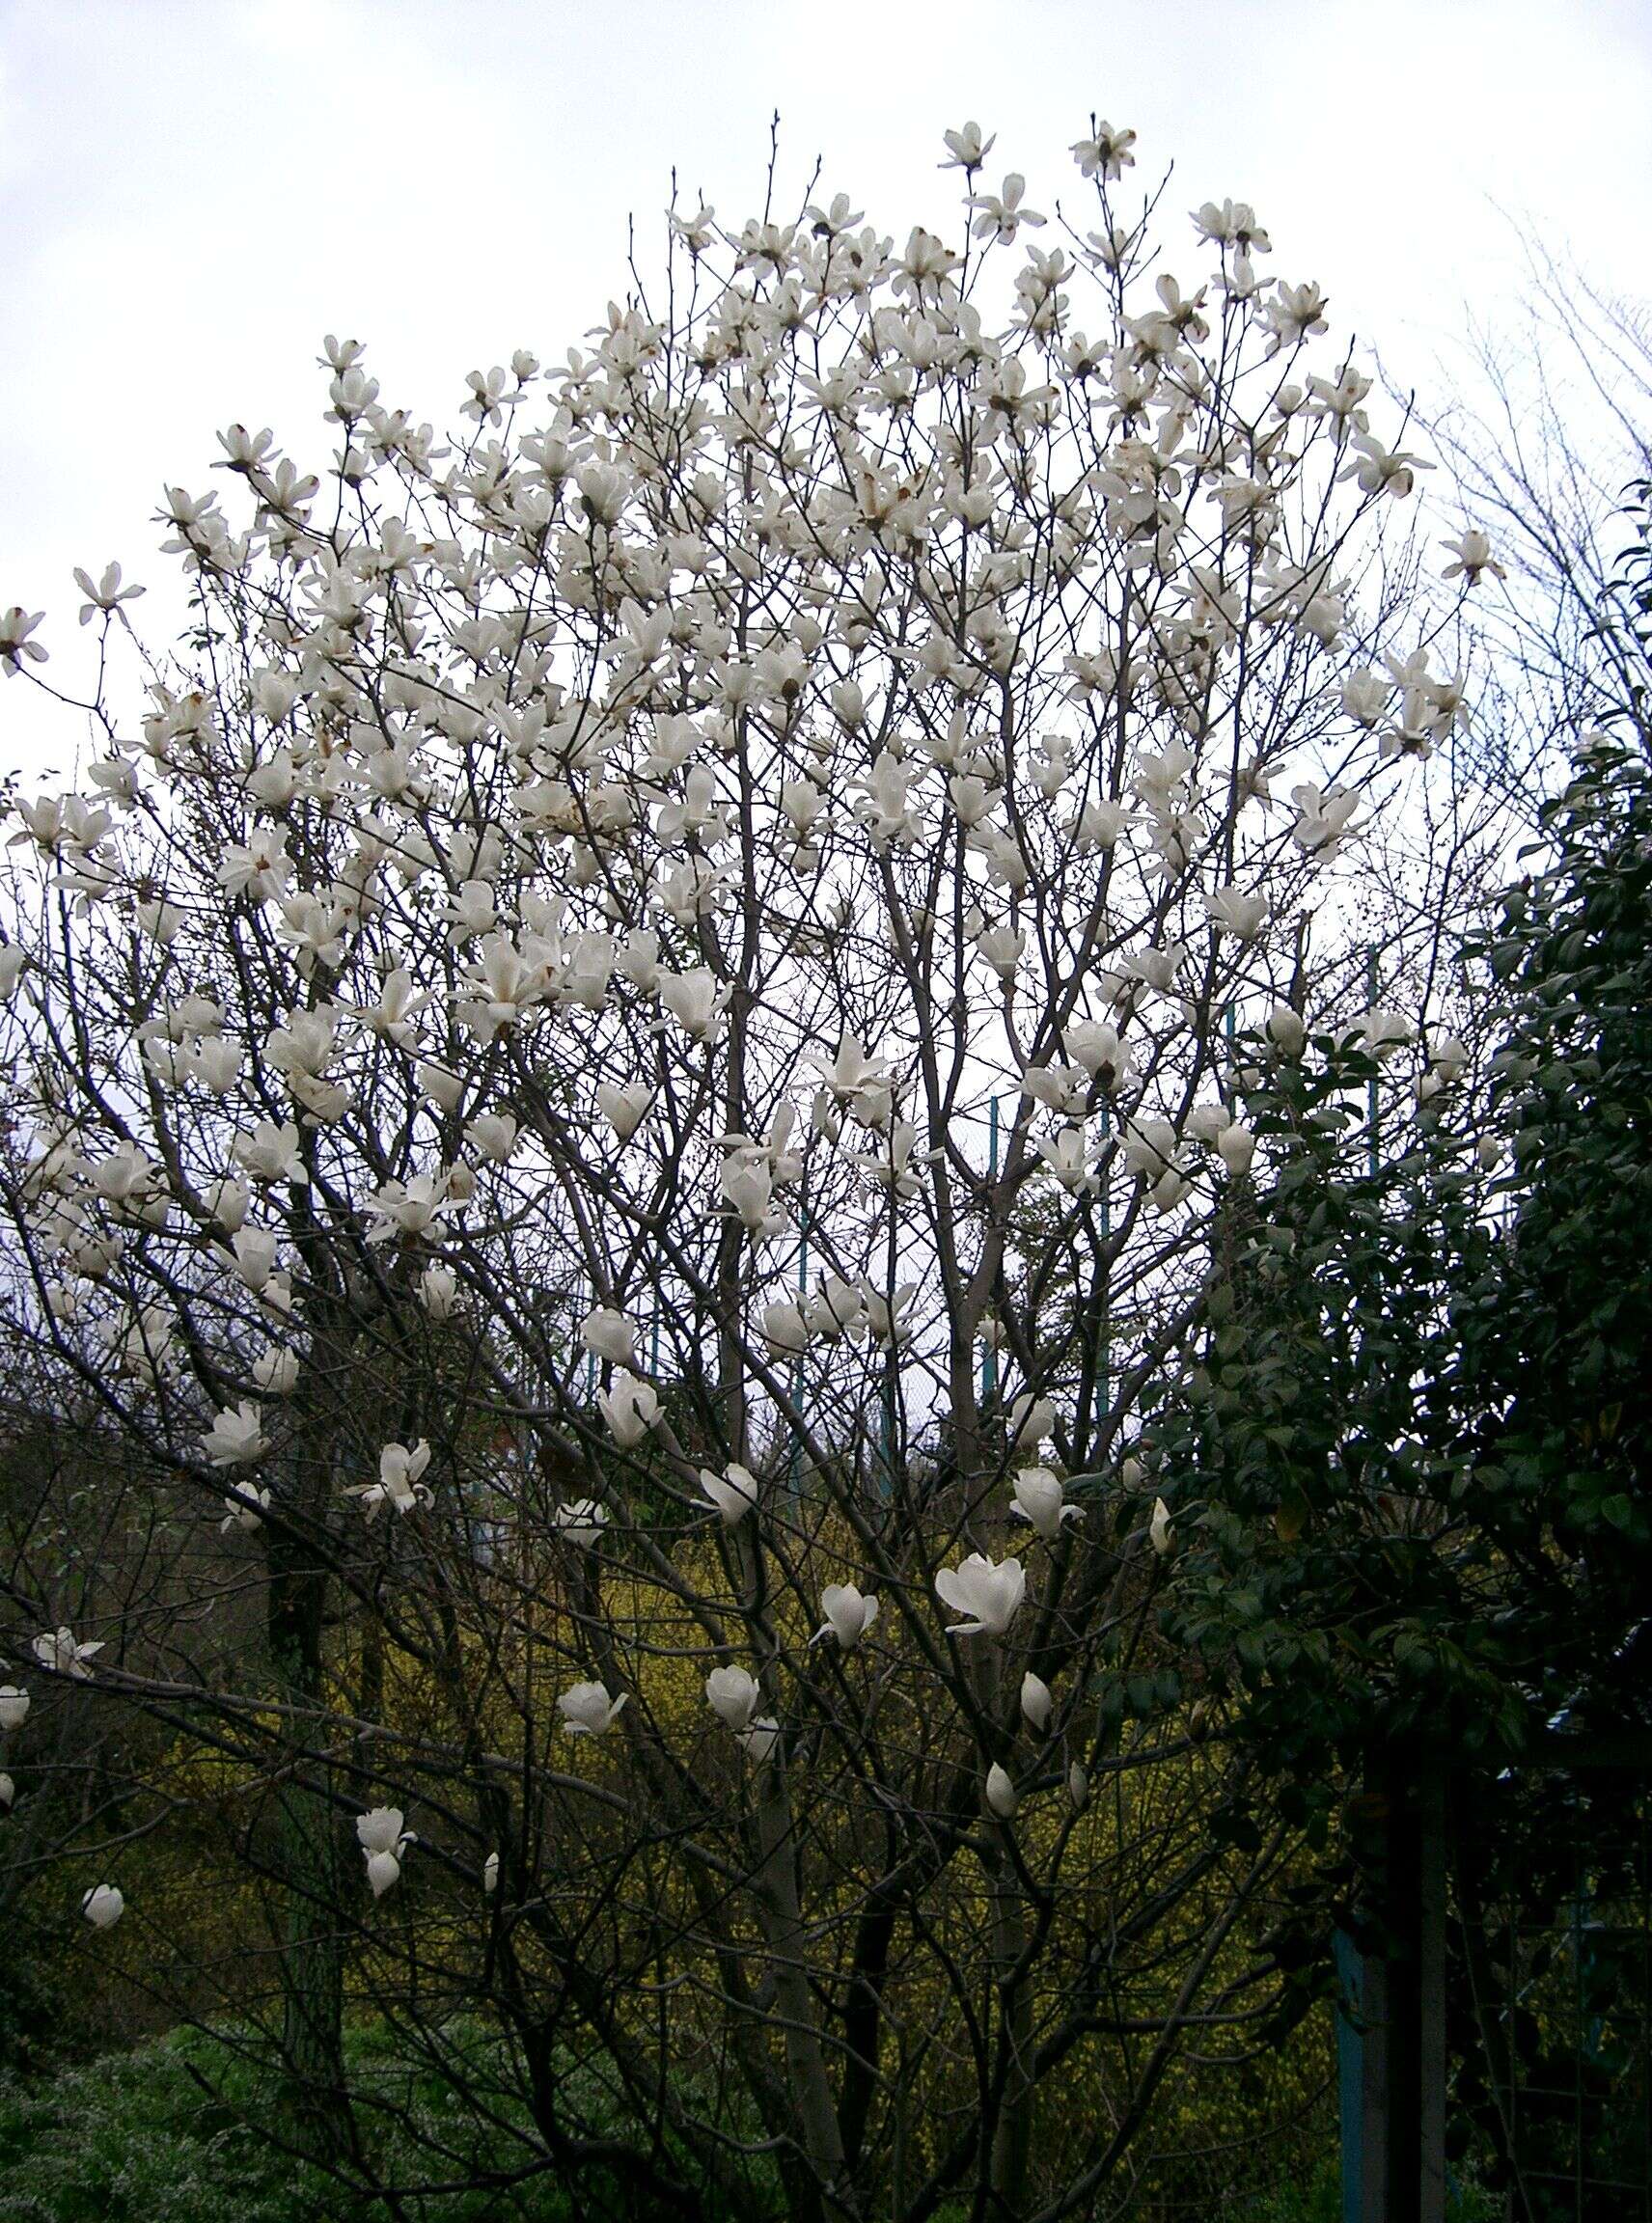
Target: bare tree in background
[{"x": 1547, "y": 462}]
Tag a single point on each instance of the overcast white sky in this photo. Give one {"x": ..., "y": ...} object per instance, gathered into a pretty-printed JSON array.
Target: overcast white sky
[{"x": 193, "y": 191}]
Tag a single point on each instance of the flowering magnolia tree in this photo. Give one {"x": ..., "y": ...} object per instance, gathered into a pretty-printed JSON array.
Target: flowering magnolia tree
[{"x": 620, "y": 1097}]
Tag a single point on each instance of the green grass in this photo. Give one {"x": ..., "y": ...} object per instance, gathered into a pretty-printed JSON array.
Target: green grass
[{"x": 166, "y": 2134}]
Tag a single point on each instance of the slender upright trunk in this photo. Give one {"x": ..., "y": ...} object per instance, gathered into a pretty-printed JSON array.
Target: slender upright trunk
[
  {"x": 811, "y": 2087},
  {"x": 1011, "y": 2129},
  {"x": 312, "y": 1873}
]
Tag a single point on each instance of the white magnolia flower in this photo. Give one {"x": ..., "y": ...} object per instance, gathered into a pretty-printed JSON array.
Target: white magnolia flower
[
  {"x": 582, "y": 1521},
  {"x": 15, "y": 647},
  {"x": 734, "y": 1696},
  {"x": 965, "y": 149},
  {"x": 1236, "y": 1147},
  {"x": 245, "y": 1510},
  {"x": 988, "y": 1594},
  {"x": 1366, "y": 696},
  {"x": 1380, "y": 1031},
  {"x": 256, "y": 1250},
  {"x": 490, "y": 1874},
  {"x": 731, "y": 1494},
  {"x": 785, "y": 1327},
  {"x": 492, "y": 1135},
  {"x": 1039, "y": 1499},
  {"x": 399, "y": 1485},
  {"x": 1233, "y": 911},
  {"x": 228, "y": 1201},
  {"x": 383, "y": 1841},
  {"x": 1001, "y": 949},
  {"x": 609, "y": 1335},
  {"x": 1107, "y": 155},
  {"x": 623, "y": 1109},
  {"x": 1470, "y": 555},
  {"x": 1159, "y": 1530},
  {"x": 1286, "y": 1030},
  {"x": 276, "y": 1371},
  {"x": 1066, "y": 1157},
  {"x": 1377, "y": 471},
  {"x": 383, "y": 1869},
  {"x": 379, "y": 1829},
  {"x": 445, "y": 1089},
  {"x": 1149, "y": 1145},
  {"x": 270, "y": 1154},
  {"x": 1038, "y": 1701},
  {"x": 851, "y": 1077},
  {"x": 1095, "y": 1046},
  {"x": 759, "y": 1739},
  {"x": 631, "y": 1409},
  {"x": 1450, "y": 1059},
  {"x": 500, "y": 988},
  {"x": 235, "y": 1438},
  {"x": 886, "y": 1317},
  {"x": 407, "y": 1208},
  {"x": 58, "y": 1650},
  {"x": 588, "y": 1710},
  {"x": 8, "y": 1791},
  {"x": 1031, "y": 1421},
  {"x": 848, "y": 1615},
  {"x": 1322, "y": 818},
  {"x": 162, "y": 922},
  {"x": 103, "y": 1905},
  {"x": 747, "y": 1185},
  {"x": 1100, "y": 823},
  {"x": 1063, "y": 1089},
  {"x": 1001, "y": 214},
  {"x": 640, "y": 960},
  {"x": 838, "y": 1309},
  {"x": 394, "y": 1013},
  {"x": 1002, "y": 1794},
  {"x": 1078, "y": 1786},
  {"x": 695, "y": 1002},
  {"x": 14, "y": 1706}
]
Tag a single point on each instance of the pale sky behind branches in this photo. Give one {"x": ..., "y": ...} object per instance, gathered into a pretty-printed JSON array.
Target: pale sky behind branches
[{"x": 194, "y": 191}]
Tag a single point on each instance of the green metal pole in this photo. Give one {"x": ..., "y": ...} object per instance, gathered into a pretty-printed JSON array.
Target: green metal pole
[
  {"x": 1230, "y": 1082},
  {"x": 1371, "y": 1085},
  {"x": 797, "y": 1367}
]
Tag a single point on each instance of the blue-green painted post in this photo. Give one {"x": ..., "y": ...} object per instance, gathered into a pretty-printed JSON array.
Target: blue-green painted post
[
  {"x": 797, "y": 1365},
  {"x": 1371, "y": 1085},
  {"x": 1229, "y": 1078}
]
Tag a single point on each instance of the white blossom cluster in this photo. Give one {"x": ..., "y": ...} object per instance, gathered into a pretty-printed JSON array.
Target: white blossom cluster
[{"x": 663, "y": 891}]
